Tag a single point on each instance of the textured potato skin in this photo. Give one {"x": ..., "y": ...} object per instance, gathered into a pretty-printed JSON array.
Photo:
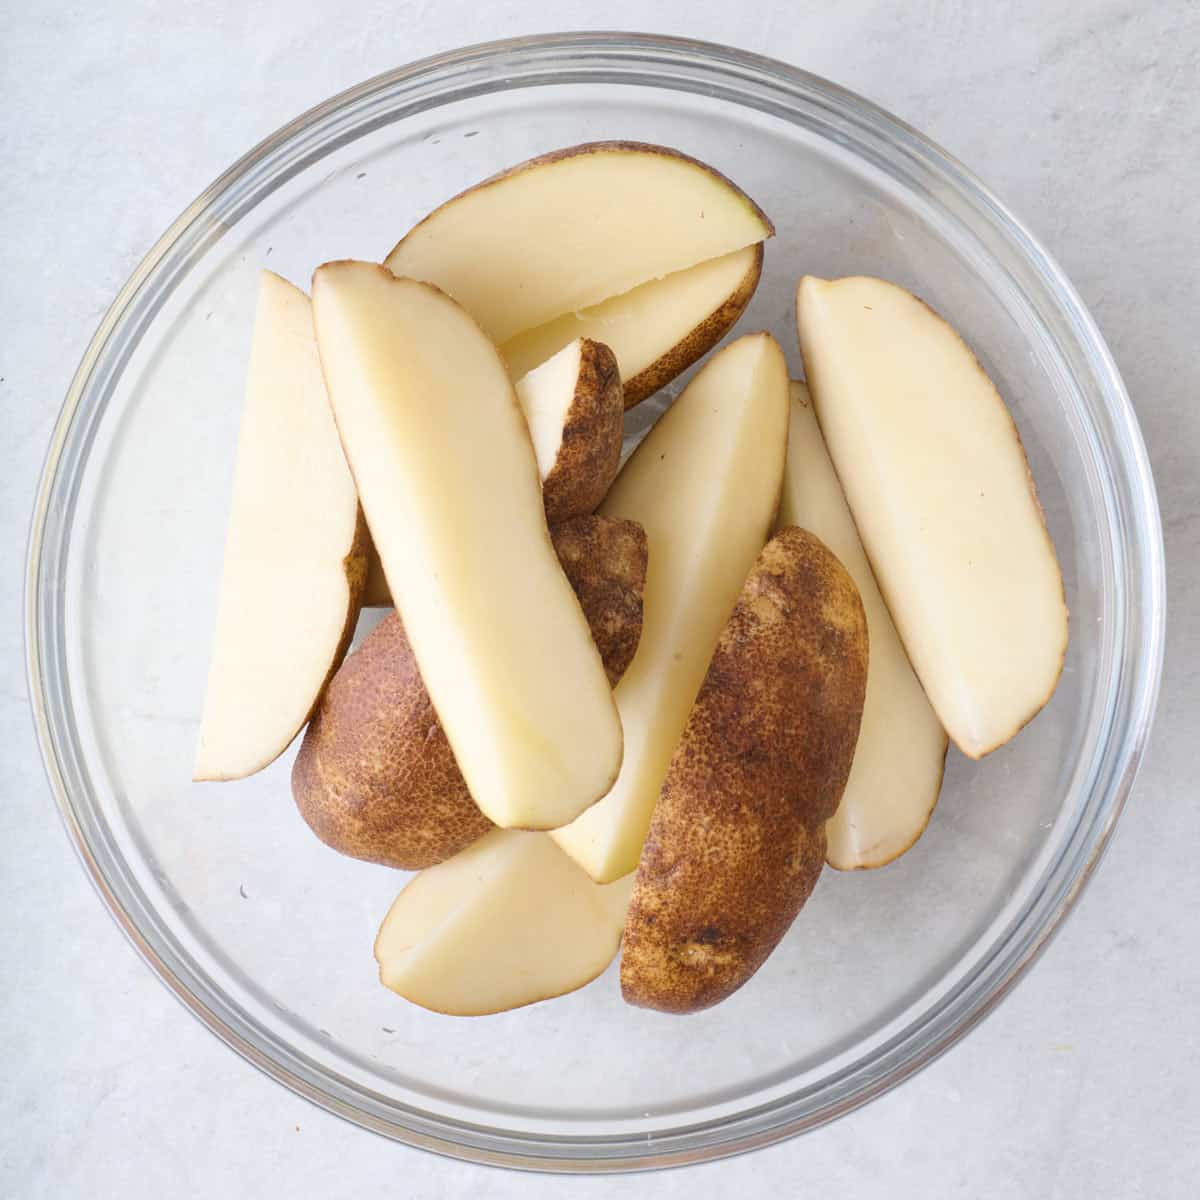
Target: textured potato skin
[
  {"x": 699, "y": 340},
  {"x": 590, "y": 453},
  {"x": 376, "y": 778},
  {"x": 604, "y": 559},
  {"x": 737, "y": 841}
]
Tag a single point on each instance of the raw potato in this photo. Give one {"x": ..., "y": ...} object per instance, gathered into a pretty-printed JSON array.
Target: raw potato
[
  {"x": 448, "y": 482},
  {"x": 573, "y": 407},
  {"x": 376, "y": 778},
  {"x": 901, "y": 753},
  {"x": 935, "y": 475},
  {"x": 738, "y": 837},
  {"x": 573, "y": 228},
  {"x": 705, "y": 486},
  {"x": 659, "y": 328},
  {"x": 294, "y": 552},
  {"x": 508, "y": 922}
]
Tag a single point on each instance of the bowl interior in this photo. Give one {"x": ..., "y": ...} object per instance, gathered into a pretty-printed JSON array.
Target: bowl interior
[{"x": 268, "y": 932}]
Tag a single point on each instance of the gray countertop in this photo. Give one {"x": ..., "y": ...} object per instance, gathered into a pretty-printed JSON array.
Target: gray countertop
[{"x": 1085, "y": 117}]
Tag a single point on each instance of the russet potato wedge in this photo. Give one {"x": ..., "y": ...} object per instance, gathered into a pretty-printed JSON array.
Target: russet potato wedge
[
  {"x": 658, "y": 329},
  {"x": 573, "y": 228},
  {"x": 574, "y": 409},
  {"x": 935, "y": 475},
  {"x": 738, "y": 836},
  {"x": 375, "y": 777},
  {"x": 704, "y": 485},
  {"x": 508, "y": 922},
  {"x": 449, "y": 484},
  {"x": 295, "y": 551},
  {"x": 901, "y": 752}
]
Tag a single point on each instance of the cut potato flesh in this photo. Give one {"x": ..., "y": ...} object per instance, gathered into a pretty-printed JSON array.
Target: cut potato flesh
[
  {"x": 898, "y": 762},
  {"x": 658, "y": 329},
  {"x": 294, "y": 553},
  {"x": 509, "y": 921},
  {"x": 704, "y": 485},
  {"x": 546, "y": 395},
  {"x": 573, "y": 228},
  {"x": 447, "y": 479},
  {"x": 936, "y": 478}
]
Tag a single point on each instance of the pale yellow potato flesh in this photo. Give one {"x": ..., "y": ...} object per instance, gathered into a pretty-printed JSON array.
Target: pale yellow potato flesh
[
  {"x": 646, "y": 324},
  {"x": 294, "y": 552},
  {"x": 935, "y": 475},
  {"x": 901, "y": 752},
  {"x": 546, "y": 394},
  {"x": 448, "y": 482},
  {"x": 509, "y": 921},
  {"x": 572, "y": 228},
  {"x": 705, "y": 486}
]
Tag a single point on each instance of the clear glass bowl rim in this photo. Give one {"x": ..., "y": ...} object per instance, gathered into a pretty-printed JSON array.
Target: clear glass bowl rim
[{"x": 739, "y": 77}]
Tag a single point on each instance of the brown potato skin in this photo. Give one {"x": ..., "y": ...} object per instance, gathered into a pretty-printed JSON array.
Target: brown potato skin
[
  {"x": 376, "y": 593},
  {"x": 376, "y": 778},
  {"x": 590, "y": 453},
  {"x": 738, "y": 836},
  {"x": 604, "y": 560},
  {"x": 698, "y": 342}
]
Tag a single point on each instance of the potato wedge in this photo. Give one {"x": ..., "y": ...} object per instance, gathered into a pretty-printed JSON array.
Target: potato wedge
[
  {"x": 295, "y": 551},
  {"x": 901, "y": 752},
  {"x": 705, "y": 486},
  {"x": 508, "y": 922},
  {"x": 575, "y": 413},
  {"x": 935, "y": 474},
  {"x": 658, "y": 329},
  {"x": 738, "y": 836},
  {"x": 448, "y": 481},
  {"x": 376, "y": 778},
  {"x": 573, "y": 228}
]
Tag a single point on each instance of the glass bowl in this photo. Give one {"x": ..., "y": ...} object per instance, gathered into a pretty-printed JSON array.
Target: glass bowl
[{"x": 264, "y": 933}]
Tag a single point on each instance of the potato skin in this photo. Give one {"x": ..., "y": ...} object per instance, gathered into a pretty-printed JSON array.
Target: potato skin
[
  {"x": 357, "y": 565},
  {"x": 605, "y": 558},
  {"x": 699, "y": 340},
  {"x": 590, "y": 453},
  {"x": 376, "y": 778},
  {"x": 737, "y": 841}
]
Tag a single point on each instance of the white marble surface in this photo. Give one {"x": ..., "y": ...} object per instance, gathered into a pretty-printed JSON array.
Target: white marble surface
[{"x": 1086, "y": 118}]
